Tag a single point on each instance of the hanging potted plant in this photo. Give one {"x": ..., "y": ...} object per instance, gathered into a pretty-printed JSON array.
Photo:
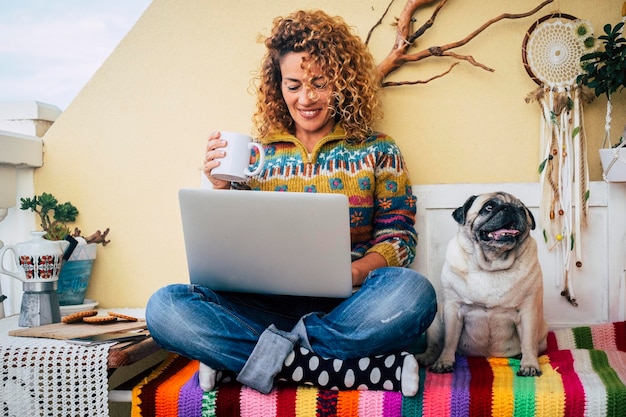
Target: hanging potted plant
[
  {"x": 604, "y": 72},
  {"x": 81, "y": 253}
]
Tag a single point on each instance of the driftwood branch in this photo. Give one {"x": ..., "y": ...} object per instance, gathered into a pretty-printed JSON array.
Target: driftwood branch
[
  {"x": 380, "y": 22},
  {"x": 397, "y": 83},
  {"x": 419, "y": 32},
  {"x": 469, "y": 59},
  {"x": 400, "y": 55}
]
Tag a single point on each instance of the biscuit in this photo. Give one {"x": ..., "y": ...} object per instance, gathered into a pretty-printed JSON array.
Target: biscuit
[
  {"x": 99, "y": 319},
  {"x": 122, "y": 316},
  {"x": 78, "y": 316}
]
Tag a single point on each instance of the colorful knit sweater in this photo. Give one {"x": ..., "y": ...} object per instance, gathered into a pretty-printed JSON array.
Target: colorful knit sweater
[{"x": 372, "y": 174}]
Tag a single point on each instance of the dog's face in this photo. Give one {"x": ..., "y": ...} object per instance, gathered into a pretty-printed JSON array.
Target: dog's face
[{"x": 498, "y": 222}]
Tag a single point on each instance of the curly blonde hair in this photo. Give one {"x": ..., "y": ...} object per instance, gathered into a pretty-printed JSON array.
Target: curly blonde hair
[{"x": 343, "y": 58}]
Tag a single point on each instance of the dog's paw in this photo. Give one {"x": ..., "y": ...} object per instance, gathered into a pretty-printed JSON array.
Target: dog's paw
[
  {"x": 529, "y": 371},
  {"x": 529, "y": 366},
  {"x": 426, "y": 359},
  {"x": 441, "y": 367}
]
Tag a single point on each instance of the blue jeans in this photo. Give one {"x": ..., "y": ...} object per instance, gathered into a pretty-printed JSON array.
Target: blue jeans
[{"x": 252, "y": 334}]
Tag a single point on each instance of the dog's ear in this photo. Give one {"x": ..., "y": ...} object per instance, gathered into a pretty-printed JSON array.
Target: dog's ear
[
  {"x": 532, "y": 218},
  {"x": 459, "y": 214}
]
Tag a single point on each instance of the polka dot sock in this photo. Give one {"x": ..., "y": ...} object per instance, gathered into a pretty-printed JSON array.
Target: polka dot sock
[{"x": 390, "y": 372}]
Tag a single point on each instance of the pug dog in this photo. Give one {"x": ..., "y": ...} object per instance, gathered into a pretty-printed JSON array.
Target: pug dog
[{"x": 492, "y": 288}]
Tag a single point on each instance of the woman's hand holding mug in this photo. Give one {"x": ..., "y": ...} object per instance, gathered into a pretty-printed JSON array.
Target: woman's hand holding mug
[
  {"x": 214, "y": 151},
  {"x": 228, "y": 158}
]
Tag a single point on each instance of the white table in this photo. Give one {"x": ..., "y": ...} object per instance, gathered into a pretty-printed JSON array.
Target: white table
[{"x": 49, "y": 377}]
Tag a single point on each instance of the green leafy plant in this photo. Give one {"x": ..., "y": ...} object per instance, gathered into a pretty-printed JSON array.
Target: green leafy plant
[
  {"x": 55, "y": 216},
  {"x": 604, "y": 70}
]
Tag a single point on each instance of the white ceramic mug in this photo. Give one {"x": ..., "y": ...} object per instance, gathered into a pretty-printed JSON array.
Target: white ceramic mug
[{"x": 235, "y": 165}]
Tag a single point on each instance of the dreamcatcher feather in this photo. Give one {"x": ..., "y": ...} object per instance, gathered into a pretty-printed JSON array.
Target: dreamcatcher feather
[{"x": 551, "y": 53}]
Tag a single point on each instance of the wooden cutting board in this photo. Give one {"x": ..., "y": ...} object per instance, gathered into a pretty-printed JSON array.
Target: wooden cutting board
[{"x": 64, "y": 331}]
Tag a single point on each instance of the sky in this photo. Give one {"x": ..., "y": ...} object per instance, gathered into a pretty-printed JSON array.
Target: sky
[{"x": 49, "y": 49}]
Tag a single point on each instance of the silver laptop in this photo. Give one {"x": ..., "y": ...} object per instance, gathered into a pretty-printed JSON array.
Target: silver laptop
[{"x": 268, "y": 242}]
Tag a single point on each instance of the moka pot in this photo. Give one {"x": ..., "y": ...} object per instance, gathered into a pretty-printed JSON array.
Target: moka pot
[{"x": 37, "y": 263}]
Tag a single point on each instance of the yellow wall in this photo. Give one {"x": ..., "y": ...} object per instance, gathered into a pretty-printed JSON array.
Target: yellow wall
[{"x": 135, "y": 134}]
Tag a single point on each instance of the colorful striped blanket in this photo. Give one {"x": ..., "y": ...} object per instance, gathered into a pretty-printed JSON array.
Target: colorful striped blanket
[{"x": 584, "y": 374}]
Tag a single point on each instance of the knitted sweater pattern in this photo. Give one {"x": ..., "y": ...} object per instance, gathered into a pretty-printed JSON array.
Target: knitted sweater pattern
[{"x": 373, "y": 176}]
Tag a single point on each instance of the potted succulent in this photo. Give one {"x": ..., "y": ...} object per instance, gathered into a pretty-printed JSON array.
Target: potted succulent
[
  {"x": 79, "y": 257},
  {"x": 604, "y": 72}
]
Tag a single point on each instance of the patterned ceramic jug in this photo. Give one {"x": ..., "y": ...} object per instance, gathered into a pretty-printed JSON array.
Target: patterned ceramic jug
[{"x": 38, "y": 260}]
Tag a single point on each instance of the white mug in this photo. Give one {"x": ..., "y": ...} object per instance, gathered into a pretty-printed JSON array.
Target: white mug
[{"x": 235, "y": 165}]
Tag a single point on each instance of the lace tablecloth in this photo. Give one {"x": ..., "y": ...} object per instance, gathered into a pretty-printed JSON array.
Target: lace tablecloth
[{"x": 48, "y": 377}]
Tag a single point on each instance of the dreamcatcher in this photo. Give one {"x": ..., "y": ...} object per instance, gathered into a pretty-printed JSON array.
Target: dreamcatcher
[{"x": 551, "y": 54}]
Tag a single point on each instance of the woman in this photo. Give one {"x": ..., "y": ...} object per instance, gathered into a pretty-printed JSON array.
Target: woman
[{"x": 316, "y": 106}]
